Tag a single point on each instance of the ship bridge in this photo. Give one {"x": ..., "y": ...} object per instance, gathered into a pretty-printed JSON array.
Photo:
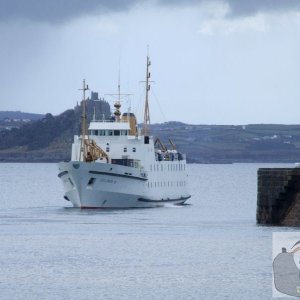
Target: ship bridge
[
  {"x": 104, "y": 128},
  {"x": 126, "y": 125}
]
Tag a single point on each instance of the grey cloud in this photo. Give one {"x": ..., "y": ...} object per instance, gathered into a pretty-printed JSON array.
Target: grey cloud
[
  {"x": 53, "y": 11},
  {"x": 245, "y": 7},
  {"x": 250, "y": 7}
]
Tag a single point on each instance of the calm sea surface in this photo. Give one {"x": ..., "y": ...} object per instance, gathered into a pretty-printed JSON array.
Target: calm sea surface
[{"x": 210, "y": 249}]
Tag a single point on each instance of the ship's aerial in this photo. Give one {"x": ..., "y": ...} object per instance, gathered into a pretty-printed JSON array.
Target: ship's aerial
[{"x": 114, "y": 164}]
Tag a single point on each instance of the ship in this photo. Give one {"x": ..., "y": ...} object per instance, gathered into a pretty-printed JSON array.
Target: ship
[{"x": 115, "y": 164}]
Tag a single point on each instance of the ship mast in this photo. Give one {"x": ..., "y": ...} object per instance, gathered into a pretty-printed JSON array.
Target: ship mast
[
  {"x": 117, "y": 105},
  {"x": 85, "y": 87},
  {"x": 146, "y": 109}
]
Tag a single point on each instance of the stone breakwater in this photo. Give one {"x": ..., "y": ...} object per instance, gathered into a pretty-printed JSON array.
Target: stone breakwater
[{"x": 278, "y": 196}]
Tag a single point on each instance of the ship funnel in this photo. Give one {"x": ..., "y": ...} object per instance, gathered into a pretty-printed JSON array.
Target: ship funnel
[{"x": 130, "y": 117}]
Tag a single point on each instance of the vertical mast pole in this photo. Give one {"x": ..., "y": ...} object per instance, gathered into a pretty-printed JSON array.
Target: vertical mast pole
[
  {"x": 146, "y": 110},
  {"x": 117, "y": 104},
  {"x": 85, "y": 87},
  {"x": 119, "y": 84}
]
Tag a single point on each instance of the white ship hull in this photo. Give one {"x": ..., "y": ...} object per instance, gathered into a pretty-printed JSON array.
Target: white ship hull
[
  {"x": 114, "y": 164},
  {"x": 101, "y": 185}
]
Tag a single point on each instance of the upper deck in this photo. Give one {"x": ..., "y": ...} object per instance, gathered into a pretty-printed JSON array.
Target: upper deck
[
  {"x": 125, "y": 125},
  {"x": 105, "y": 128},
  {"x": 107, "y": 125}
]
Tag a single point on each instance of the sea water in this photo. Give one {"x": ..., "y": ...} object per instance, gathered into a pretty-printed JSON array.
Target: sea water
[{"x": 208, "y": 249}]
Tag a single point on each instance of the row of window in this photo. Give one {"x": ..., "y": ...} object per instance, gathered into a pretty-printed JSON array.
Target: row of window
[
  {"x": 125, "y": 149},
  {"x": 109, "y": 132},
  {"x": 160, "y": 184},
  {"x": 171, "y": 167},
  {"x": 133, "y": 149}
]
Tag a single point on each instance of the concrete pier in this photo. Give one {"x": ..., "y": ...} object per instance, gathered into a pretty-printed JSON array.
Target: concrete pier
[{"x": 278, "y": 196}]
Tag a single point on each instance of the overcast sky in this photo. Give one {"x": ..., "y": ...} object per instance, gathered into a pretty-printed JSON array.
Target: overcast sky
[{"x": 213, "y": 62}]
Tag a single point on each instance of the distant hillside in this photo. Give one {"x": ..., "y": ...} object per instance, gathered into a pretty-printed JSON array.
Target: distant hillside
[
  {"x": 19, "y": 115},
  {"x": 16, "y": 119},
  {"x": 47, "y": 139},
  {"x": 229, "y": 144},
  {"x": 50, "y": 138}
]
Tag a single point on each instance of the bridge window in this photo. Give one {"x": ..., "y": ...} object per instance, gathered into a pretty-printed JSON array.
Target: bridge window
[
  {"x": 110, "y": 132},
  {"x": 117, "y": 132}
]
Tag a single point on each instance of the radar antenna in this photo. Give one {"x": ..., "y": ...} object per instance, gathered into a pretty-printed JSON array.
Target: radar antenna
[{"x": 117, "y": 103}]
